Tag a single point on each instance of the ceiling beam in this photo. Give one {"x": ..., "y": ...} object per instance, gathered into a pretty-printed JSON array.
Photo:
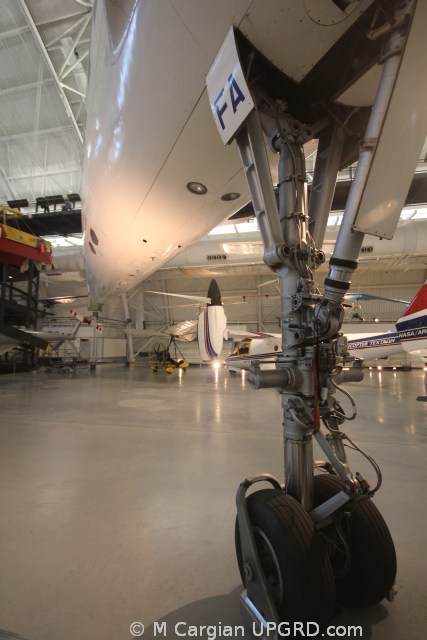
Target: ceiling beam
[
  {"x": 44, "y": 174},
  {"x": 75, "y": 43},
  {"x": 76, "y": 91},
  {"x": 64, "y": 18},
  {"x": 52, "y": 70},
  {"x": 24, "y": 88},
  {"x": 70, "y": 69},
  {"x": 39, "y": 133},
  {"x": 14, "y": 32},
  {"x": 66, "y": 32}
]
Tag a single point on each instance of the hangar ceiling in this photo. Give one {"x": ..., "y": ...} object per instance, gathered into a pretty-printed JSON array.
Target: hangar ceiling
[
  {"x": 44, "y": 64},
  {"x": 44, "y": 58}
]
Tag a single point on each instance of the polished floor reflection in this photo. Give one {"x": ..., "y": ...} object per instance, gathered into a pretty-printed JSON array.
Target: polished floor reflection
[{"x": 118, "y": 497}]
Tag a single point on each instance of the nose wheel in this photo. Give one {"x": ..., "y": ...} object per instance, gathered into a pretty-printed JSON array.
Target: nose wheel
[
  {"x": 294, "y": 570},
  {"x": 288, "y": 556},
  {"x": 360, "y": 547}
]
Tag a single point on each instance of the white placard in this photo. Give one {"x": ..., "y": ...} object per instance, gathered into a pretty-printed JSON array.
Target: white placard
[{"x": 229, "y": 95}]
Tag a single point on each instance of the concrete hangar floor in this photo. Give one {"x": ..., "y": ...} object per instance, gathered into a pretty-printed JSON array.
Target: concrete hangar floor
[{"x": 118, "y": 498}]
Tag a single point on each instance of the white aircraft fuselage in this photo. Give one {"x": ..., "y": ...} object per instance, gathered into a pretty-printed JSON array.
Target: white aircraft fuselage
[
  {"x": 150, "y": 130},
  {"x": 360, "y": 345},
  {"x": 410, "y": 336}
]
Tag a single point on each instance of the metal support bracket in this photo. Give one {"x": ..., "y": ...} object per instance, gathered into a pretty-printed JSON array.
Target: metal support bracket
[
  {"x": 335, "y": 462},
  {"x": 326, "y": 509},
  {"x": 250, "y": 142}
]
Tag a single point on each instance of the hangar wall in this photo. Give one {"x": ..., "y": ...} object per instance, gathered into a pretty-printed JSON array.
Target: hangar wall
[{"x": 263, "y": 313}]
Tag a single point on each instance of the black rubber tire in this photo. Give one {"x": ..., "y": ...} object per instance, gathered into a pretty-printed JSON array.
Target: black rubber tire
[
  {"x": 307, "y": 592},
  {"x": 372, "y": 569}
]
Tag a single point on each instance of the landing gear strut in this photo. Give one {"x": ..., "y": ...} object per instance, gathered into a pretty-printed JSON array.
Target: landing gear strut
[{"x": 317, "y": 539}]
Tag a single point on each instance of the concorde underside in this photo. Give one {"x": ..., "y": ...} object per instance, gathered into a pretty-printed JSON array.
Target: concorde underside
[
  {"x": 318, "y": 538},
  {"x": 149, "y": 132}
]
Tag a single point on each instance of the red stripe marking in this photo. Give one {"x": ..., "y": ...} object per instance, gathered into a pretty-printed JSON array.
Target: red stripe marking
[{"x": 419, "y": 303}]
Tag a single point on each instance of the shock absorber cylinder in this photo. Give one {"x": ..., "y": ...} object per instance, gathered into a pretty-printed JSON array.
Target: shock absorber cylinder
[{"x": 297, "y": 396}]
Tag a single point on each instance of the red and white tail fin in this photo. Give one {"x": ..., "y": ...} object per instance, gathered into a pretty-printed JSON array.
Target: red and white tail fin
[
  {"x": 412, "y": 325},
  {"x": 212, "y": 325},
  {"x": 418, "y": 304}
]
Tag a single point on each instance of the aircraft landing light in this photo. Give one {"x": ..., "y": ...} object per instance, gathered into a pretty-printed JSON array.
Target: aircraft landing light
[
  {"x": 228, "y": 197},
  {"x": 197, "y": 188}
]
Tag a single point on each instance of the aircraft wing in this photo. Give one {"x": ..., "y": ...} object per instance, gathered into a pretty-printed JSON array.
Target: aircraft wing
[
  {"x": 53, "y": 300},
  {"x": 39, "y": 339},
  {"x": 201, "y": 299},
  {"x": 14, "y": 336},
  {"x": 235, "y": 332},
  {"x": 353, "y": 297},
  {"x": 185, "y": 330},
  {"x": 7, "y": 344}
]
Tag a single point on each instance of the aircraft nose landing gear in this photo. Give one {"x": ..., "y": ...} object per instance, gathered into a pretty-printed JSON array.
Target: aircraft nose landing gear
[
  {"x": 320, "y": 539},
  {"x": 295, "y": 571},
  {"x": 282, "y": 560}
]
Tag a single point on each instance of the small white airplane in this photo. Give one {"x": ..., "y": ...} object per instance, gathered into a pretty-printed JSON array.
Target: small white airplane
[
  {"x": 210, "y": 327},
  {"x": 410, "y": 336}
]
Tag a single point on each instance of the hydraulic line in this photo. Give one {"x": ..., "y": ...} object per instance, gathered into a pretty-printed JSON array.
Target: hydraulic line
[
  {"x": 371, "y": 460},
  {"x": 337, "y": 413}
]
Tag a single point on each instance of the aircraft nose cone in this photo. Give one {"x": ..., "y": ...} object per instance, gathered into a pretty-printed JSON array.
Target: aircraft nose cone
[{"x": 214, "y": 294}]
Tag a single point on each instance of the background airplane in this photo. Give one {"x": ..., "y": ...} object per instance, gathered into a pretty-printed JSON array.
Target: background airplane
[
  {"x": 410, "y": 336},
  {"x": 43, "y": 339},
  {"x": 212, "y": 324}
]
